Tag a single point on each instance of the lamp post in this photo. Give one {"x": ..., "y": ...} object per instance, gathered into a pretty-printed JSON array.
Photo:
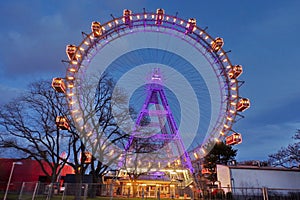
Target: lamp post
[{"x": 9, "y": 179}]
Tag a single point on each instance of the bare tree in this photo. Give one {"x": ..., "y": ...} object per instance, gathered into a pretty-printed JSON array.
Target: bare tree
[
  {"x": 288, "y": 157},
  {"x": 28, "y": 126}
]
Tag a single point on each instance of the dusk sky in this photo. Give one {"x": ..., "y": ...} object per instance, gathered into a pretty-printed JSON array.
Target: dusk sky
[{"x": 263, "y": 37}]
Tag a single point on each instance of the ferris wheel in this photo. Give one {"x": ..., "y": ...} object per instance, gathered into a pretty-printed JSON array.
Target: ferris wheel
[{"x": 201, "y": 83}]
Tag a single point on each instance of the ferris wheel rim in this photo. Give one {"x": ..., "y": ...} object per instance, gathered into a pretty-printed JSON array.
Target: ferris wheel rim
[{"x": 199, "y": 35}]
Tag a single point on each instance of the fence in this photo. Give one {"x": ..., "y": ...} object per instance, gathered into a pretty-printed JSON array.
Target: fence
[{"x": 39, "y": 191}]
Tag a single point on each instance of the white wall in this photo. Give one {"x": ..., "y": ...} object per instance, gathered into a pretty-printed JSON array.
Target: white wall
[{"x": 258, "y": 177}]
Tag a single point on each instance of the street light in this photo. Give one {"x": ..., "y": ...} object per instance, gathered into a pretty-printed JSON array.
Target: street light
[{"x": 11, "y": 173}]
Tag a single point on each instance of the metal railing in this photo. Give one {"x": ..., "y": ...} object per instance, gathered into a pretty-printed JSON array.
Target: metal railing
[{"x": 85, "y": 191}]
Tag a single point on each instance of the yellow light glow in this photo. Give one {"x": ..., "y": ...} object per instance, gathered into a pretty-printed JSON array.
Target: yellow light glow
[
  {"x": 202, "y": 150},
  {"x": 233, "y": 80},
  {"x": 109, "y": 24},
  {"x": 226, "y": 126},
  {"x": 221, "y": 54},
  {"x": 75, "y": 111},
  {"x": 228, "y": 67},
  {"x": 229, "y": 118},
  {"x": 174, "y": 20},
  {"x": 70, "y": 78},
  {"x": 221, "y": 133},
  {"x": 91, "y": 37},
  {"x": 116, "y": 21},
  {"x": 233, "y": 103},
  {"x": 232, "y": 111},
  {"x": 81, "y": 49},
  {"x": 145, "y": 16},
  {"x": 86, "y": 43},
  {"x": 234, "y": 96},
  {"x": 71, "y": 94},
  {"x": 225, "y": 60},
  {"x": 206, "y": 37},
  {"x": 201, "y": 32},
  {"x": 233, "y": 88},
  {"x": 74, "y": 62},
  {"x": 195, "y": 154},
  {"x": 167, "y": 18},
  {"x": 138, "y": 16},
  {"x": 78, "y": 119},
  {"x": 70, "y": 85},
  {"x": 89, "y": 134},
  {"x": 181, "y": 22},
  {"x": 72, "y": 69}
]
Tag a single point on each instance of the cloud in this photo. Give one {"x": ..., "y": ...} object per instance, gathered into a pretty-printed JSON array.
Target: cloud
[{"x": 261, "y": 141}]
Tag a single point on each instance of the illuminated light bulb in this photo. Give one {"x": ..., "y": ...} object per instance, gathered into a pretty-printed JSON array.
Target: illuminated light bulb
[
  {"x": 202, "y": 150},
  {"x": 70, "y": 78},
  {"x": 211, "y": 42},
  {"x": 233, "y": 103},
  {"x": 152, "y": 16},
  {"x": 123, "y": 19},
  {"x": 233, "y": 88},
  {"x": 71, "y": 94},
  {"x": 91, "y": 37},
  {"x": 70, "y": 86},
  {"x": 206, "y": 37},
  {"x": 89, "y": 134},
  {"x": 74, "y": 62},
  {"x": 233, "y": 80},
  {"x": 103, "y": 28},
  {"x": 228, "y": 67},
  {"x": 145, "y": 16},
  {"x": 72, "y": 70},
  {"x": 75, "y": 111},
  {"x": 221, "y": 133},
  {"x": 78, "y": 55},
  {"x": 226, "y": 126},
  {"x": 217, "y": 140},
  {"x": 229, "y": 118},
  {"x": 72, "y": 102},
  {"x": 221, "y": 54},
  {"x": 78, "y": 119},
  {"x": 167, "y": 18},
  {"x": 201, "y": 32},
  {"x": 109, "y": 24},
  {"x": 174, "y": 20},
  {"x": 86, "y": 43},
  {"x": 225, "y": 60},
  {"x": 232, "y": 111},
  {"x": 138, "y": 16},
  {"x": 195, "y": 154},
  {"x": 81, "y": 49},
  {"x": 116, "y": 21}
]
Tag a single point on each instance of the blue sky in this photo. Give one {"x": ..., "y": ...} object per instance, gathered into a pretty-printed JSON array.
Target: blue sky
[{"x": 263, "y": 37}]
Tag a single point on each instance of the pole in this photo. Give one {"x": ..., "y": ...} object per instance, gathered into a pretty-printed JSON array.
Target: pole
[{"x": 9, "y": 179}]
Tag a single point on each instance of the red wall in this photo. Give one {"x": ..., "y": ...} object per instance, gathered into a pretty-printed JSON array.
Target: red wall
[{"x": 29, "y": 171}]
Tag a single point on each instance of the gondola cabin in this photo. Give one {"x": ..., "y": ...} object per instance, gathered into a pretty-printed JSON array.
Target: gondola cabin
[
  {"x": 58, "y": 85},
  {"x": 159, "y": 16},
  {"x": 127, "y": 16},
  {"x": 217, "y": 44},
  {"x": 87, "y": 157},
  {"x": 62, "y": 123},
  {"x": 96, "y": 29},
  {"x": 233, "y": 139},
  {"x": 191, "y": 25},
  {"x": 243, "y": 104},
  {"x": 71, "y": 50},
  {"x": 235, "y": 71}
]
